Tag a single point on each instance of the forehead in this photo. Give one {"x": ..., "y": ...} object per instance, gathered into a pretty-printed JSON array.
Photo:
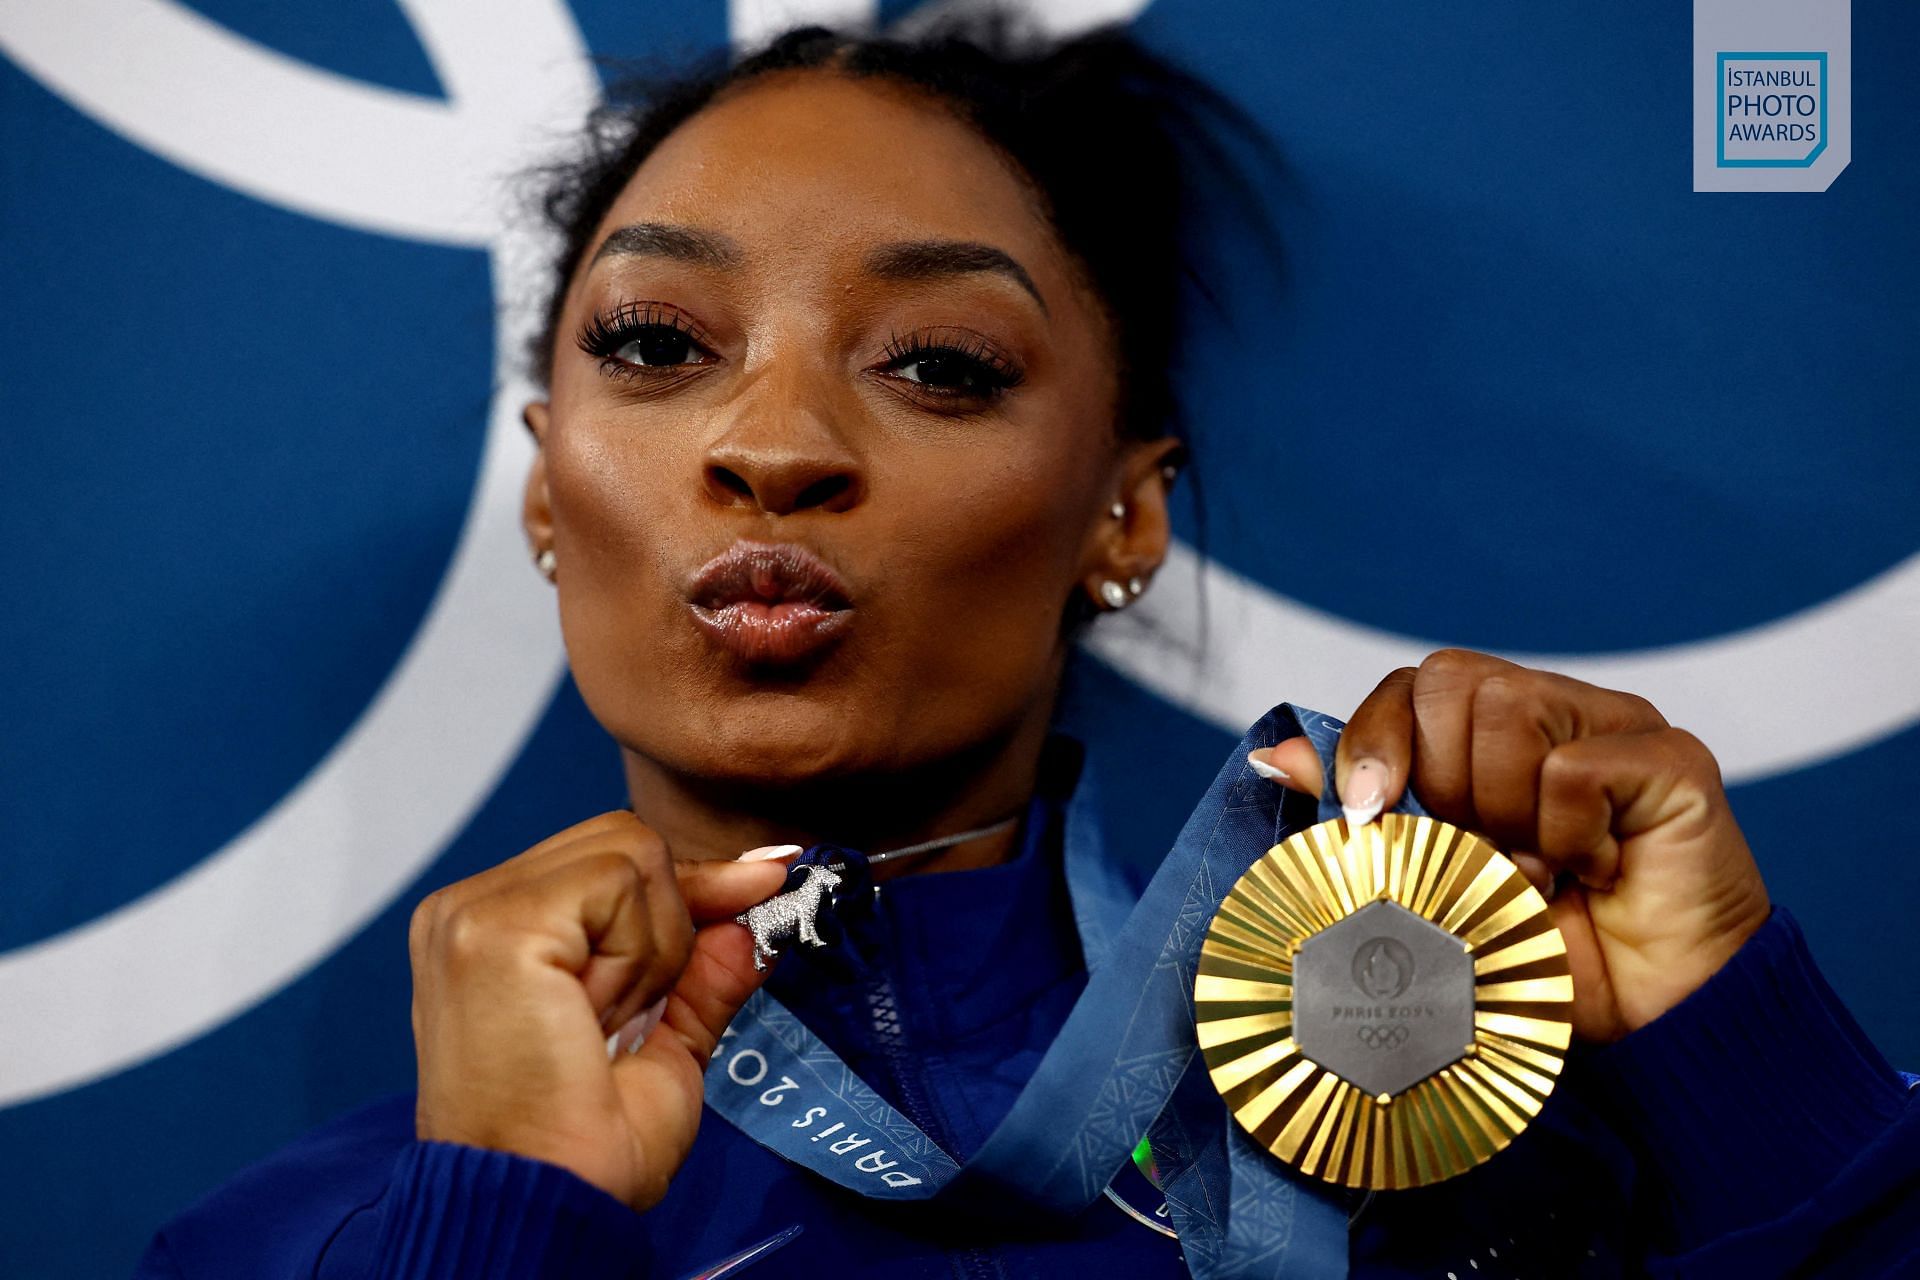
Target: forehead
[{"x": 805, "y": 168}]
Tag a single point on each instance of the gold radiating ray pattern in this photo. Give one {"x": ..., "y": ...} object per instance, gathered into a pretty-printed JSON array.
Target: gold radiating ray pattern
[{"x": 1311, "y": 1117}]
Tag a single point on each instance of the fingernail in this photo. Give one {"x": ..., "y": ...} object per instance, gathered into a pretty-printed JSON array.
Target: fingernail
[
  {"x": 1363, "y": 794},
  {"x": 1536, "y": 872},
  {"x": 1266, "y": 770},
  {"x": 639, "y": 1026},
  {"x": 768, "y": 852}
]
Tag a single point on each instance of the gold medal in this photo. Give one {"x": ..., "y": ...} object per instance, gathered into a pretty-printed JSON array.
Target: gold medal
[{"x": 1384, "y": 1008}]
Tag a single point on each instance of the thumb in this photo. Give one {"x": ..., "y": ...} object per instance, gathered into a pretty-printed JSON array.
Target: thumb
[
  {"x": 717, "y": 980},
  {"x": 1293, "y": 764},
  {"x": 662, "y": 1084}
]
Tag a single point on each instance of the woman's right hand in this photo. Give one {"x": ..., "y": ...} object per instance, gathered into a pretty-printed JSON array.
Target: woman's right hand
[{"x": 520, "y": 972}]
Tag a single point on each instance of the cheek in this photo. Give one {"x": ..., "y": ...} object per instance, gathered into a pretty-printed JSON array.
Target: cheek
[
  {"x": 618, "y": 527},
  {"x": 600, "y": 496},
  {"x": 993, "y": 555}
]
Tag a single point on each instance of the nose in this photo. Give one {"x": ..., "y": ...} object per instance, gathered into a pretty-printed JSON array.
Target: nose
[
  {"x": 780, "y": 481},
  {"x": 781, "y": 456}
]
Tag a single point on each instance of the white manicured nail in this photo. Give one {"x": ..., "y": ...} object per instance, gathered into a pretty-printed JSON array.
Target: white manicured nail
[
  {"x": 768, "y": 852},
  {"x": 640, "y": 1026},
  {"x": 1364, "y": 793},
  {"x": 1535, "y": 869},
  {"x": 1267, "y": 771}
]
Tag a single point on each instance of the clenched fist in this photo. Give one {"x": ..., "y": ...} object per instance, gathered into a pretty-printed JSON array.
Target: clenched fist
[
  {"x": 1589, "y": 789},
  {"x": 519, "y": 972}
]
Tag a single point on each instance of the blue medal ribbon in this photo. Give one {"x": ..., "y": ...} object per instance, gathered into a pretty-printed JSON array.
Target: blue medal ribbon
[
  {"x": 1238, "y": 1209},
  {"x": 1126, "y": 1051}
]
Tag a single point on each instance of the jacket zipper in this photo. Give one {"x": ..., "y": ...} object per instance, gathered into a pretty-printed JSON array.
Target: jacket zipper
[{"x": 883, "y": 1009}]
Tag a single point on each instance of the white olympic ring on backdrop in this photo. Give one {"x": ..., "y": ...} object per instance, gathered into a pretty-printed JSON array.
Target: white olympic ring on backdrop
[{"x": 412, "y": 770}]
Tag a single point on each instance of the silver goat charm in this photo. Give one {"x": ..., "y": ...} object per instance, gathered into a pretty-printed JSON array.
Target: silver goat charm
[{"x": 794, "y": 913}]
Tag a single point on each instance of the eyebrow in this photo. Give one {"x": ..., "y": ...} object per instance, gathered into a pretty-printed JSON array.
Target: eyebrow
[
  {"x": 664, "y": 240},
  {"x": 902, "y": 260},
  {"x": 929, "y": 259}
]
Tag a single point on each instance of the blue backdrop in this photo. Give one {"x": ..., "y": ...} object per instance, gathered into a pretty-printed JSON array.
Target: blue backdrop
[{"x": 1518, "y": 387}]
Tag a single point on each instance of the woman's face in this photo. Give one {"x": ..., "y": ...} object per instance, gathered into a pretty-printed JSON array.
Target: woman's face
[{"x": 830, "y": 444}]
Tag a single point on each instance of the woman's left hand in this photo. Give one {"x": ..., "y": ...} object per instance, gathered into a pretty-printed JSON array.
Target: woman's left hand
[{"x": 1567, "y": 777}]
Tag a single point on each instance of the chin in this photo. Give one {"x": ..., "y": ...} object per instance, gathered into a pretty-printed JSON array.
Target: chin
[
  {"x": 766, "y": 739},
  {"x": 862, "y": 714}
]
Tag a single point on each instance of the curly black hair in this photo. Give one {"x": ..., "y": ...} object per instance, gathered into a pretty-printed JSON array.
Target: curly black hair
[{"x": 1101, "y": 126}]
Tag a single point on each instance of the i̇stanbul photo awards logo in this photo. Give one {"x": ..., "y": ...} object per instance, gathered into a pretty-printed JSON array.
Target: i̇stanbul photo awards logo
[{"x": 1772, "y": 94}]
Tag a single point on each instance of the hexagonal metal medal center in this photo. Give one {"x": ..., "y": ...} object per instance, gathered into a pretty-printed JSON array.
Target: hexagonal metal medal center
[{"x": 1383, "y": 999}]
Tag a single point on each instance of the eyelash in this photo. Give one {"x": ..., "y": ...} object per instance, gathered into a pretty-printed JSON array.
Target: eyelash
[
  {"x": 606, "y": 333},
  {"x": 999, "y": 374}
]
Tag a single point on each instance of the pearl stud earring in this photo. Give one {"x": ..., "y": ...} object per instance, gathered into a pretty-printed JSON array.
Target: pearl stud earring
[
  {"x": 1114, "y": 594},
  {"x": 543, "y": 561},
  {"x": 1135, "y": 586},
  {"x": 1118, "y": 510}
]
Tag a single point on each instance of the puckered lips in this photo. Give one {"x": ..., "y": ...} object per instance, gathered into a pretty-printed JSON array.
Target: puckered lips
[{"x": 770, "y": 603}]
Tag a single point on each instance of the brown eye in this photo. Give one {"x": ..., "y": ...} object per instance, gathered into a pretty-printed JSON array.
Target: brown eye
[
  {"x": 968, "y": 369},
  {"x": 641, "y": 336},
  {"x": 656, "y": 344},
  {"x": 950, "y": 371}
]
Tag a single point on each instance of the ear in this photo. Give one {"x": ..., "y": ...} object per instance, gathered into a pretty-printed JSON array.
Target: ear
[
  {"x": 1129, "y": 548},
  {"x": 536, "y": 507}
]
